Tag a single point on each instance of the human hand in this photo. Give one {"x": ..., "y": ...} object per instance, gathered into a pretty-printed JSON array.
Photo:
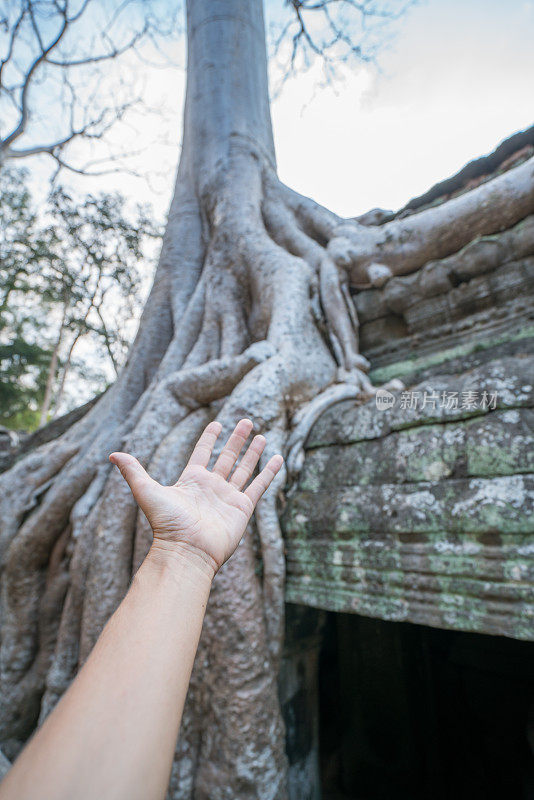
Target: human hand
[{"x": 204, "y": 515}]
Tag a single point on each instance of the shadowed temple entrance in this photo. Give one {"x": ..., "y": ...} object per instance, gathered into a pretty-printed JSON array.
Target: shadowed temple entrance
[{"x": 409, "y": 711}]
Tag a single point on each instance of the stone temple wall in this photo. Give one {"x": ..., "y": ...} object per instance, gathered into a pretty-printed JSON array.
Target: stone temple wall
[{"x": 426, "y": 514}]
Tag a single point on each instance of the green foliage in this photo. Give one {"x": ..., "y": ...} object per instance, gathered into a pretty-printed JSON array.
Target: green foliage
[
  {"x": 23, "y": 361},
  {"x": 23, "y": 368},
  {"x": 70, "y": 295}
]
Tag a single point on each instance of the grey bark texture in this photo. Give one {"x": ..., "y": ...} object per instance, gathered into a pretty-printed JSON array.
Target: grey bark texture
[{"x": 250, "y": 314}]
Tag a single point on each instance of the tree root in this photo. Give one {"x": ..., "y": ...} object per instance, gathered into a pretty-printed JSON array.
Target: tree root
[
  {"x": 250, "y": 315},
  {"x": 309, "y": 415},
  {"x": 371, "y": 254},
  {"x": 272, "y": 551}
]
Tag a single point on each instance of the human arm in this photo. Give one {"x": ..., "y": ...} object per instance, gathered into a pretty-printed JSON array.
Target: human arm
[{"x": 113, "y": 733}]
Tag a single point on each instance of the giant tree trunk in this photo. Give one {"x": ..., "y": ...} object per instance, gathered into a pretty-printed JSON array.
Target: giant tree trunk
[{"x": 249, "y": 314}]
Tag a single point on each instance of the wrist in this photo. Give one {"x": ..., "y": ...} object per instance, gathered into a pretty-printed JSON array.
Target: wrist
[{"x": 181, "y": 558}]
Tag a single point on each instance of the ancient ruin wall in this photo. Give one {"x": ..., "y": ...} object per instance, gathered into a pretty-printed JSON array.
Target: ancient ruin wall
[{"x": 426, "y": 514}]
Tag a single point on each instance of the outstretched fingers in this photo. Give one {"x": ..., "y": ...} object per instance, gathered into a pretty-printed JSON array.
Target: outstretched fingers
[
  {"x": 232, "y": 448},
  {"x": 261, "y": 483},
  {"x": 229, "y": 455},
  {"x": 200, "y": 457},
  {"x": 247, "y": 465}
]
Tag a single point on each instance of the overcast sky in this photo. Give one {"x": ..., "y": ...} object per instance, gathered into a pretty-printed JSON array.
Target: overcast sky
[{"x": 457, "y": 80}]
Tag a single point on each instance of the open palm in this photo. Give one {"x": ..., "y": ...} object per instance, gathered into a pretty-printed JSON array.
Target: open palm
[{"x": 204, "y": 511}]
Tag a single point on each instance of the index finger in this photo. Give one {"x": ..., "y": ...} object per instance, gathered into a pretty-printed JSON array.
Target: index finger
[{"x": 200, "y": 457}]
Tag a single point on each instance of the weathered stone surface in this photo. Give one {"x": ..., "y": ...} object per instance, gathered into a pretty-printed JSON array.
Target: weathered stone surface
[
  {"x": 476, "y": 505},
  {"x": 511, "y": 379},
  {"x": 483, "y": 292},
  {"x": 499, "y": 444},
  {"x": 472, "y": 298},
  {"x": 459, "y": 353},
  {"x": 422, "y": 515},
  {"x": 482, "y": 256},
  {"x": 436, "y": 580}
]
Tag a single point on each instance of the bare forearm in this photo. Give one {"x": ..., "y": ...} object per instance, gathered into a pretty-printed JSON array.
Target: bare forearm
[{"x": 114, "y": 732}]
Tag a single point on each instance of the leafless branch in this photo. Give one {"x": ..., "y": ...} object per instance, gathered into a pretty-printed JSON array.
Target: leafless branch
[
  {"x": 335, "y": 32},
  {"x": 45, "y": 44}
]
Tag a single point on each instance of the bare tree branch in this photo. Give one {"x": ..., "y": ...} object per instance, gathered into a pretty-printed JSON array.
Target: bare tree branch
[
  {"x": 24, "y": 111},
  {"x": 45, "y": 44},
  {"x": 334, "y": 32}
]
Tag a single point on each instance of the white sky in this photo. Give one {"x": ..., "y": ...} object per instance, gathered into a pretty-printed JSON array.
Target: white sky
[{"x": 458, "y": 79}]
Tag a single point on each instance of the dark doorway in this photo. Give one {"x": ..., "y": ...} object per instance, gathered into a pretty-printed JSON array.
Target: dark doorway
[{"x": 413, "y": 713}]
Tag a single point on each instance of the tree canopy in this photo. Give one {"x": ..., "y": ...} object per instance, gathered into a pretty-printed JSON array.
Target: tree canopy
[{"x": 72, "y": 272}]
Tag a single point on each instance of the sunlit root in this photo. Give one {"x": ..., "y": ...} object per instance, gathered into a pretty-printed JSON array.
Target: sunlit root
[
  {"x": 202, "y": 385},
  {"x": 360, "y": 389},
  {"x": 371, "y": 254},
  {"x": 308, "y": 417},
  {"x": 379, "y": 274},
  {"x": 336, "y": 304}
]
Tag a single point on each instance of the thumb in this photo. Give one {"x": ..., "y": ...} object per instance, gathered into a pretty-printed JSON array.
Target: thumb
[{"x": 133, "y": 473}]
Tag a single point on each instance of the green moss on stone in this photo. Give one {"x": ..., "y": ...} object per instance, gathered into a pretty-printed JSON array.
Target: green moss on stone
[{"x": 417, "y": 363}]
